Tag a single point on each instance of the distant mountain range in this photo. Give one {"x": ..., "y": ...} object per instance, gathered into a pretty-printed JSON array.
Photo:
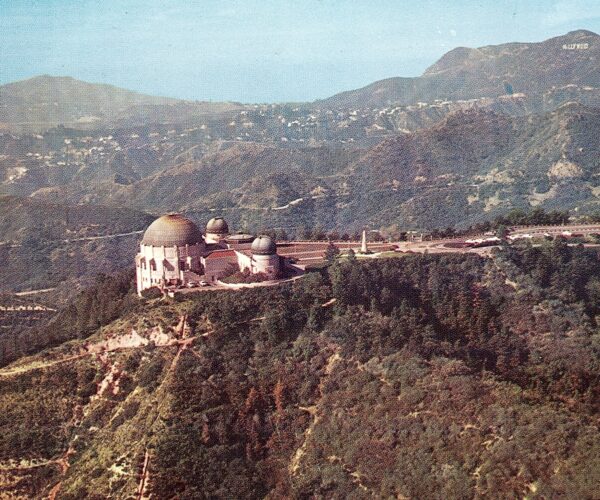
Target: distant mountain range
[
  {"x": 45, "y": 101},
  {"x": 471, "y": 166},
  {"x": 517, "y": 78}
]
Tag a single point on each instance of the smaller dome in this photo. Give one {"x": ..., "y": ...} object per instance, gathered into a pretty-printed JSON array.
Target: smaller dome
[
  {"x": 240, "y": 238},
  {"x": 217, "y": 225},
  {"x": 263, "y": 245}
]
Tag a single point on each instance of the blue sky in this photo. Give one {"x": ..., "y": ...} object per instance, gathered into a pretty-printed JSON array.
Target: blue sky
[{"x": 262, "y": 50}]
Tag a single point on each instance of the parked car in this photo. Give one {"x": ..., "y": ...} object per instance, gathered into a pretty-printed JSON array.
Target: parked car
[
  {"x": 204, "y": 283},
  {"x": 192, "y": 284}
]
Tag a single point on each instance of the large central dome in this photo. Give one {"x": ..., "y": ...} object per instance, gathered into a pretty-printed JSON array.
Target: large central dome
[{"x": 172, "y": 230}]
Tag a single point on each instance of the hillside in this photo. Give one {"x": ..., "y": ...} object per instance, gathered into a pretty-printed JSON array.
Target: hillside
[
  {"x": 45, "y": 101},
  {"x": 248, "y": 175},
  {"x": 48, "y": 244},
  {"x": 467, "y": 73},
  {"x": 475, "y": 165},
  {"x": 25, "y": 219},
  {"x": 53, "y": 100},
  {"x": 471, "y": 166},
  {"x": 425, "y": 377}
]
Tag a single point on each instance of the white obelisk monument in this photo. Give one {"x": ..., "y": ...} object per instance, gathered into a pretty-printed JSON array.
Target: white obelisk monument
[{"x": 363, "y": 243}]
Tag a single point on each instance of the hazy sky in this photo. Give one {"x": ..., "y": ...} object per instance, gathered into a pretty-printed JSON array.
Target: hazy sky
[{"x": 262, "y": 50}]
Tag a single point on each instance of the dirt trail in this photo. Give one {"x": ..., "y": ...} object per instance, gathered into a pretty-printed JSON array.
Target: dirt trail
[
  {"x": 28, "y": 368},
  {"x": 356, "y": 476},
  {"x": 182, "y": 329},
  {"x": 130, "y": 340},
  {"x": 64, "y": 467},
  {"x": 143, "y": 484},
  {"x": 143, "y": 488},
  {"x": 34, "y": 292},
  {"x": 314, "y": 412},
  {"x": 32, "y": 465}
]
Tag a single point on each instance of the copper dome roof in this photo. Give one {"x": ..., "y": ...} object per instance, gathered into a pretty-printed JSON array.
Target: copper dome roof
[
  {"x": 263, "y": 245},
  {"x": 172, "y": 230},
  {"x": 217, "y": 225}
]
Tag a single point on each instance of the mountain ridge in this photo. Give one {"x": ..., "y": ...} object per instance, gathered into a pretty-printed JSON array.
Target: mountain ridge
[
  {"x": 466, "y": 73},
  {"x": 44, "y": 101}
]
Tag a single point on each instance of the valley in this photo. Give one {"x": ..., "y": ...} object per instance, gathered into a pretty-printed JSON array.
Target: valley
[{"x": 470, "y": 167}]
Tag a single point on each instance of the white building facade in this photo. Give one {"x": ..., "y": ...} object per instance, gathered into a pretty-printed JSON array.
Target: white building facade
[
  {"x": 174, "y": 252},
  {"x": 172, "y": 247}
]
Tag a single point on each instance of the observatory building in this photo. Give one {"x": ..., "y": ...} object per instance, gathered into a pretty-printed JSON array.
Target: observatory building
[
  {"x": 174, "y": 252},
  {"x": 171, "y": 246}
]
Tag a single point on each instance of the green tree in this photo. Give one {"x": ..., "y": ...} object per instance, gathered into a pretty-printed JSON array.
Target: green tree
[
  {"x": 331, "y": 252},
  {"x": 351, "y": 255}
]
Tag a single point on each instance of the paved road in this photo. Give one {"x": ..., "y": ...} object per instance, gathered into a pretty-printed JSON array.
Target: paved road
[
  {"x": 83, "y": 238},
  {"x": 572, "y": 228},
  {"x": 106, "y": 236},
  {"x": 438, "y": 246}
]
